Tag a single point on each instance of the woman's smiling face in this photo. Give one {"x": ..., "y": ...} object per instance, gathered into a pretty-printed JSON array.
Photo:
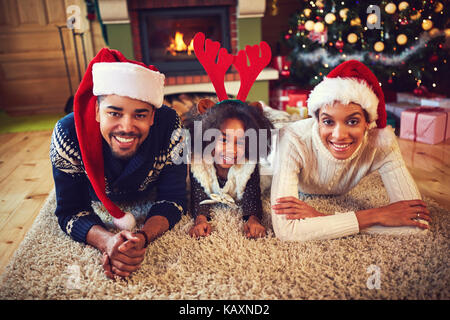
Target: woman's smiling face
[{"x": 342, "y": 128}]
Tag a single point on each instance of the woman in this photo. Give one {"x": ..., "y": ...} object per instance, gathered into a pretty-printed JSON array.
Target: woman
[{"x": 346, "y": 139}]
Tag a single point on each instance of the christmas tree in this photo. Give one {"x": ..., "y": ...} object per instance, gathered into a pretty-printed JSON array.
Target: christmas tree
[{"x": 402, "y": 42}]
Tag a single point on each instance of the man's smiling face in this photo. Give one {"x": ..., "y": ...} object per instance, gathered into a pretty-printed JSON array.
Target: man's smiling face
[{"x": 124, "y": 123}]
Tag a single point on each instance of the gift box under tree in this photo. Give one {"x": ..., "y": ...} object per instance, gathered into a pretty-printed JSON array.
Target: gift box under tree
[
  {"x": 425, "y": 124},
  {"x": 432, "y": 100},
  {"x": 397, "y": 108},
  {"x": 288, "y": 95}
]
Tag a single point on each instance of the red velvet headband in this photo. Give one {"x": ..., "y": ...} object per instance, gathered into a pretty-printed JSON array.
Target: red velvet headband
[{"x": 206, "y": 52}]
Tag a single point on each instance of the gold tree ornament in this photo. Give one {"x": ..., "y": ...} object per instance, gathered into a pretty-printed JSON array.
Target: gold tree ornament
[
  {"x": 319, "y": 27},
  {"x": 427, "y": 24},
  {"x": 330, "y": 18},
  {"x": 309, "y": 25},
  {"x": 355, "y": 22},
  {"x": 352, "y": 38},
  {"x": 434, "y": 32},
  {"x": 438, "y": 7},
  {"x": 402, "y": 39},
  {"x": 343, "y": 13},
  {"x": 307, "y": 12},
  {"x": 319, "y": 4},
  {"x": 403, "y": 5},
  {"x": 372, "y": 18},
  {"x": 416, "y": 16},
  {"x": 378, "y": 46},
  {"x": 390, "y": 8}
]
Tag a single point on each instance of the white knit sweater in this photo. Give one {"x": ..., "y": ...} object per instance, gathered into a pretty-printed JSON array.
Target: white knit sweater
[{"x": 303, "y": 163}]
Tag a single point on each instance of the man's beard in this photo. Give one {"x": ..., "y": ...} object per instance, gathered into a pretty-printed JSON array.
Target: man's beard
[
  {"x": 127, "y": 156},
  {"x": 123, "y": 157}
]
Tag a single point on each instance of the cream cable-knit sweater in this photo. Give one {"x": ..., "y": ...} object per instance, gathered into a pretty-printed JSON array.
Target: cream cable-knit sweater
[{"x": 303, "y": 163}]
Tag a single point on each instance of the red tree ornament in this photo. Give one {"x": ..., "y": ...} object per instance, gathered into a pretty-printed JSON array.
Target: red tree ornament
[
  {"x": 434, "y": 58},
  {"x": 421, "y": 91}
]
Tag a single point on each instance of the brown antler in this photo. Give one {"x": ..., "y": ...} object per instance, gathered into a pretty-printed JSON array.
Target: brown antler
[
  {"x": 248, "y": 74},
  {"x": 206, "y": 53}
]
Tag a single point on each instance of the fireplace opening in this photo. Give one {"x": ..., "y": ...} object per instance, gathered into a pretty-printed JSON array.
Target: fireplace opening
[{"x": 167, "y": 34}]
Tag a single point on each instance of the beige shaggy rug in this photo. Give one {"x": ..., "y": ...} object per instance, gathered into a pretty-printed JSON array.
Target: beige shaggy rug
[{"x": 226, "y": 265}]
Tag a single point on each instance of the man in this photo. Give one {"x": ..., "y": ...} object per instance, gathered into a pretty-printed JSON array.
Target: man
[{"x": 118, "y": 144}]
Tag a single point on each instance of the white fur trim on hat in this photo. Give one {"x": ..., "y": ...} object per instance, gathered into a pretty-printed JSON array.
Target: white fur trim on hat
[
  {"x": 128, "y": 80},
  {"x": 127, "y": 222},
  {"x": 344, "y": 90}
]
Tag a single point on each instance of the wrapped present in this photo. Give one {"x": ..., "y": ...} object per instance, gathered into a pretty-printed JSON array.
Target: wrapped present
[
  {"x": 281, "y": 97},
  {"x": 297, "y": 104},
  {"x": 278, "y": 99},
  {"x": 436, "y": 102},
  {"x": 425, "y": 124},
  {"x": 301, "y": 111},
  {"x": 297, "y": 99},
  {"x": 432, "y": 100},
  {"x": 396, "y": 108}
]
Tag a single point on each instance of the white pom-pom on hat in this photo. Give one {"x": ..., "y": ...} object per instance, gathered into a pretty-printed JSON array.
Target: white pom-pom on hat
[{"x": 127, "y": 222}]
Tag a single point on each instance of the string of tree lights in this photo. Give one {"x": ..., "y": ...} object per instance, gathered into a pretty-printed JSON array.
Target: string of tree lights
[{"x": 401, "y": 41}]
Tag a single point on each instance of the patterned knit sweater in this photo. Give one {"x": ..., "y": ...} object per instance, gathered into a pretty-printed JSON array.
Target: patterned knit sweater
[
  {"x": 152, "y": 166},
  {"x": 304, "y": 164}
]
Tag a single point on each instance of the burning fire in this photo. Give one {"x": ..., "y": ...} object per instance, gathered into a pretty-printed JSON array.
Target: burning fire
[{"x": 178, "y": 46}]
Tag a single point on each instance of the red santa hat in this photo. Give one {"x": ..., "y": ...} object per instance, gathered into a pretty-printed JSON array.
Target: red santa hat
[
  {"x": 110, "y": 73},
  {"x": 351, "y": 81}
]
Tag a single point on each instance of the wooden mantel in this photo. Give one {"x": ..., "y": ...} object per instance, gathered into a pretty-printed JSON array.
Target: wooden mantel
[{"x": 116, "y": 12}]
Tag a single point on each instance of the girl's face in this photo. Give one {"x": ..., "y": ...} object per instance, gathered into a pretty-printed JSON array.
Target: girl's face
[
  {"x": 342, "y": 128},
  {"x": 230, "y": 147}
]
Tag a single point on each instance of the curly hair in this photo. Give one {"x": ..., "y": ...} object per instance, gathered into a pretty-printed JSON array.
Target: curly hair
[{"x": 252, "y": 118}]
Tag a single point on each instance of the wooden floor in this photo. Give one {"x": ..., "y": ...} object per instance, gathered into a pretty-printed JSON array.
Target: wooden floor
[{"x": 26, "y": 180}]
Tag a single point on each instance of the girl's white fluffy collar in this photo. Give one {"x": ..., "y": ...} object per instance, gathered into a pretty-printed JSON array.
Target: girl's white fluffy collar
[{"x": 238, "y": 176}]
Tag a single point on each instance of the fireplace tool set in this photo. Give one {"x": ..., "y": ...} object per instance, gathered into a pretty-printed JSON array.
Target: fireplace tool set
[{"x": 71, "y": 26}]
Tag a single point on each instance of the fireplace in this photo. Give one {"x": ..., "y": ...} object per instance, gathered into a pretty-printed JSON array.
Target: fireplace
[
  {"x": 183, "y": 72},
  {"x": 167, "y": 36},
  {"x": 154, "y": 27}
]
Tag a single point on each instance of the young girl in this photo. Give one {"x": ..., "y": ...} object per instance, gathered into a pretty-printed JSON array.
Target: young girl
[
  {"x": 329, "y": 154},
  {"x": 224, "y": 174}
]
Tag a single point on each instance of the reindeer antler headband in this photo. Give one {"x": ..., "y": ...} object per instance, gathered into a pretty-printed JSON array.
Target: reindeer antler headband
[{"x": 206, "y": 52}]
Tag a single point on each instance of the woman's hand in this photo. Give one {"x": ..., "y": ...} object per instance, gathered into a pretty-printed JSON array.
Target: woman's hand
[
  {"x": 397, "y": 214},
  {"x": 294, "y": 208},
  {"x": 405, "y": 213},
  {"x": 253, "y": 228},
  {"x": 202, "y": 227}
]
